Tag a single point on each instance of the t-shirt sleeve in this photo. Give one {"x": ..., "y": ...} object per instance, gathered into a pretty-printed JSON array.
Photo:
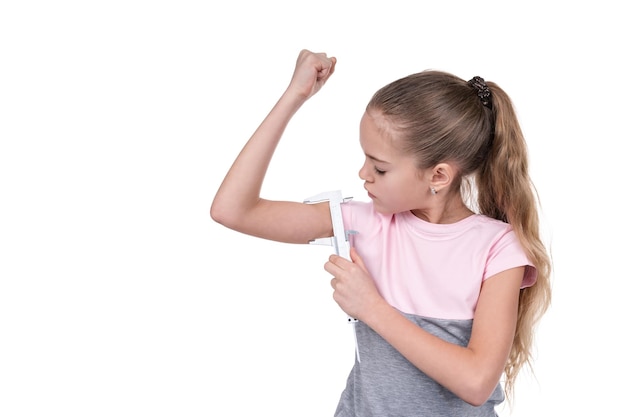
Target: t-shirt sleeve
[
  {"x": 508, "y": 253},
  {"x": 358, "y": 215}
]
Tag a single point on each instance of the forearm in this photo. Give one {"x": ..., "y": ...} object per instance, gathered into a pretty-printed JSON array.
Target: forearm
[
  {"x": 472, "y": 376},
  {"x": 240, "y": 190}
]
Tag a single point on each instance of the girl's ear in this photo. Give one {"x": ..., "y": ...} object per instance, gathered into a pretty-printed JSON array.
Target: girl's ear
[{"x": 441, "y": 176}]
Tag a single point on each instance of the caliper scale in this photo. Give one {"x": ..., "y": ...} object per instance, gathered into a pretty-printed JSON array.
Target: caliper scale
[{"x": 340, "y": 240}]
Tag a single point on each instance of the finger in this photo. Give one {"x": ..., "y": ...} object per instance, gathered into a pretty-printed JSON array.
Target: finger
[
  {"x": 326, "y": 66},
  {"x": 324, "y": 70},
  {"x": 332, "y": 67},
  {"x": 328, "y": 267},
  {"x": 356, "y": 258},
  {"x": 341, "y": 262},
  {"x": 332, "y": 268},
  {"x": 333, "y": 283}
]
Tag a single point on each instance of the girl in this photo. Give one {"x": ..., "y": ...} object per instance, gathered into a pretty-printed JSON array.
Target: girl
[{"x": 446, "y": 288}]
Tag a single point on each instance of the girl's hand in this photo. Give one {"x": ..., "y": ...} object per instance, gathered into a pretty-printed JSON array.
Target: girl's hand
[
  {"x": 355, "y": 291},
  {"x": 312, "y": 71}
]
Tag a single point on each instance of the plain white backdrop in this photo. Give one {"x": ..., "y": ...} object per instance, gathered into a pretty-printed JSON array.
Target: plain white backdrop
[{"x": 118, "y": 294}]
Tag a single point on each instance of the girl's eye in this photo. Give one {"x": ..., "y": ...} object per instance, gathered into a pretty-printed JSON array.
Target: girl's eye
[{"x": 379, "y": 172}]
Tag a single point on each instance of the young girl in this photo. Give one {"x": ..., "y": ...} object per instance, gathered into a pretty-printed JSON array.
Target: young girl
[{"x": 446, "y": 288}]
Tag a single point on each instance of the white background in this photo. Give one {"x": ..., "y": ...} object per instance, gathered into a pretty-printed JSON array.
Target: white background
[{"x": 118, "y": 294}]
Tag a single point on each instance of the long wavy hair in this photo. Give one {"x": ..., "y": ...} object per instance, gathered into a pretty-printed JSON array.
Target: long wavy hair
[{"x": 440, "y": 118}]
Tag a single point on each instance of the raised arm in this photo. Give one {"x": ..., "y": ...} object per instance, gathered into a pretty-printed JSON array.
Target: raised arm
[{"x": 238, "y": 204}]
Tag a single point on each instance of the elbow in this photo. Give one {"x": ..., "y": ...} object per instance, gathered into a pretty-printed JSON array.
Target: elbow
[
  {"x": 477, "y": 391},
  {"x": 229, "y": 215},
  {"x": 233, "y": 214},
  {"x": 476, "y": 399},
  {"x": 220, "y": 214},
  {"x": 216, "y": 214}
]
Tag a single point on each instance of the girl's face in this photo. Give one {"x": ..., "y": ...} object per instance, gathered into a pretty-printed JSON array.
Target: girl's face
[{"x": 392, "y": 180}]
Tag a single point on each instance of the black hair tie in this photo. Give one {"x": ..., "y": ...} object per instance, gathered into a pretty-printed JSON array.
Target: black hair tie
[{"x": 483, "y": 91}]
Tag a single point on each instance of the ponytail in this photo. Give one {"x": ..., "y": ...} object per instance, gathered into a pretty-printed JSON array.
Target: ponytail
[{"x": 506, "y": 192}]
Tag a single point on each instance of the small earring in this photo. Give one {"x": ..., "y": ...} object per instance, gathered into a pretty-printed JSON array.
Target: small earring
[{"x": 433, "y": 191}]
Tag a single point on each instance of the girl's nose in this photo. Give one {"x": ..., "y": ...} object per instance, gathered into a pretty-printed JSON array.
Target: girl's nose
[{"x": 363, "y": 174}]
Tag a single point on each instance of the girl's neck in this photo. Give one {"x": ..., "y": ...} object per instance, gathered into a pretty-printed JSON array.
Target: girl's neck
[{"x": 447, "y": 213}]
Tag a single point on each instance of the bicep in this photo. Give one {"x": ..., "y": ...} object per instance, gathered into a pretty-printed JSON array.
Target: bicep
[
  {"x": 286, "y": 221},
  {"x": 495, "y": 319}
]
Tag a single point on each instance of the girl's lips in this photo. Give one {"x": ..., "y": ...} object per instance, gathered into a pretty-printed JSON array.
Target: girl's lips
[{"x": 370, "y": 195}]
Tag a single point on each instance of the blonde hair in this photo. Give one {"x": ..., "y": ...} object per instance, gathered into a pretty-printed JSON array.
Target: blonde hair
[{"x": 440, "y": 117}]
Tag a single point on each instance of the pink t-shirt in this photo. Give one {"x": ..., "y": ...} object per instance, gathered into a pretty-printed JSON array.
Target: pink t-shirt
[{"x": 433, "y": 270}]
